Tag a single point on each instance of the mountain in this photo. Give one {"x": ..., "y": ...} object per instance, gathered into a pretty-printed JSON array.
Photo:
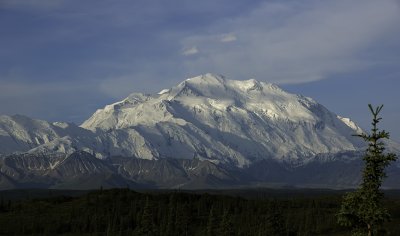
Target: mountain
[
  {"x": 208, "y": 131},
  {"x": 21, "y": 134},
  {"x": 237, "y": 122},
  {"x": 82, "y": 170}
]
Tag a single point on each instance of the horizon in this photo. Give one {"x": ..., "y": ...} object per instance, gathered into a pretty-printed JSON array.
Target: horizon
[{"x": 63, "y": 60}]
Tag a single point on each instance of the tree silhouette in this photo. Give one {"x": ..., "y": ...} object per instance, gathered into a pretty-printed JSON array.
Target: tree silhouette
[
  {"x": 212, "y": 223},
  {"x": 147, "y": 226},
  {"x": 225, "y": 226},
  {"x": 363, "y": 208}
]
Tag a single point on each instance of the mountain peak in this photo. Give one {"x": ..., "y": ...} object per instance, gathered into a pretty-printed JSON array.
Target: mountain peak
[
  {"x": 220, "y": 88},
  {"x": 214, "y": 118},
  {"x": 207, "y": 78},
  {"x": 208, "y": 91}
]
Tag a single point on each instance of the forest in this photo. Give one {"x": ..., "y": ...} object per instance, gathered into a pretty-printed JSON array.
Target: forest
[{"x": 230, "y": 212}]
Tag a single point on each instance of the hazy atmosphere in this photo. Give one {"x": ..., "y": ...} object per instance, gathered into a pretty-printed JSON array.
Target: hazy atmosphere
[{"x": 62, "y": 60}]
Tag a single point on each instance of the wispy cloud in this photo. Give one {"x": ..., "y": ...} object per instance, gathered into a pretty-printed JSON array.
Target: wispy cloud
[
  {"x": 228, "y": 38},
  {"x": 190, "y": 51},
  {"x": 291, "y": 43}
]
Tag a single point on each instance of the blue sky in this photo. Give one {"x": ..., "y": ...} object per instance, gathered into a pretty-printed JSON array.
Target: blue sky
[{"x": 63, "y": 59}]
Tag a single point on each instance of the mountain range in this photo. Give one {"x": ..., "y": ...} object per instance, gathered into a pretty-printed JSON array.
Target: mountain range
[{"x": 206, "y": 132}]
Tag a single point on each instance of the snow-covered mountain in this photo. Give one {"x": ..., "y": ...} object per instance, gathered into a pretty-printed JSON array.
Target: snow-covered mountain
[
  {"x": 207, "y": 130},
  {"x": 206, "y": 117},
  {"x": 239, "y": 122},
  {"x": 20, "y": 133}
]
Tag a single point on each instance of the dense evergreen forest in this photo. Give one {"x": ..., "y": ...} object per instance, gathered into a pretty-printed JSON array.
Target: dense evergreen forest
[{"x": 126, "y": 212}]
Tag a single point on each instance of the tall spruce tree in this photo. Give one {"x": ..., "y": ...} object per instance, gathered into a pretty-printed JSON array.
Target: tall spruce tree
[
  {"x": 362, "y": 209},
  {"x": 170, "y": 228},
  {"x": 212, "y": 223},
  {"x": 225, "y": 226},
  {"x": 147, "y": 226}
]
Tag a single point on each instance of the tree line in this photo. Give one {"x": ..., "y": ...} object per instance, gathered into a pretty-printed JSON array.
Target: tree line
[{"x": 126, "y": 212}]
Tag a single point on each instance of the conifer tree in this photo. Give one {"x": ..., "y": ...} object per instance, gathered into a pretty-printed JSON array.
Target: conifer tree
[
  {"x": 170, "y": 228},
  {"x": 212, "y": 223},
  {"x": 2, "y": 207},
  {"x": 275, "y": 222},
  {"x": 225, "y": 226},
  {"x": 147, "y": 226},
  {"x": 362, "y": 209}
]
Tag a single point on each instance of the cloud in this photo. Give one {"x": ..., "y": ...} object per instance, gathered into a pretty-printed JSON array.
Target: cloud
[
  {"x": 293, "y": 42},
  {"x": 190, "y": 51},
  {"x": 228, "y": 38}
]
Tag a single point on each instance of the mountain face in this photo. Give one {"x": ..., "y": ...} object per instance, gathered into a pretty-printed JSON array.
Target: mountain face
[
  {"x": 22, "y": 134},
  {"x": 237, "y": 122},
  {"x": 206, "y": 131}
]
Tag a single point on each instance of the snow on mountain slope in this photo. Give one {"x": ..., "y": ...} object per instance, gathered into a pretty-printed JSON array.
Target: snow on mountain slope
[
  {"x": 351, "y": 124},
  {"x": 205, "y": 132},
  {"x": 21, "y": 133},
  {"x": 102, "y": 144},
  {"x": 237, "y": 122},
  {"x": 205, "y": 117}
]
